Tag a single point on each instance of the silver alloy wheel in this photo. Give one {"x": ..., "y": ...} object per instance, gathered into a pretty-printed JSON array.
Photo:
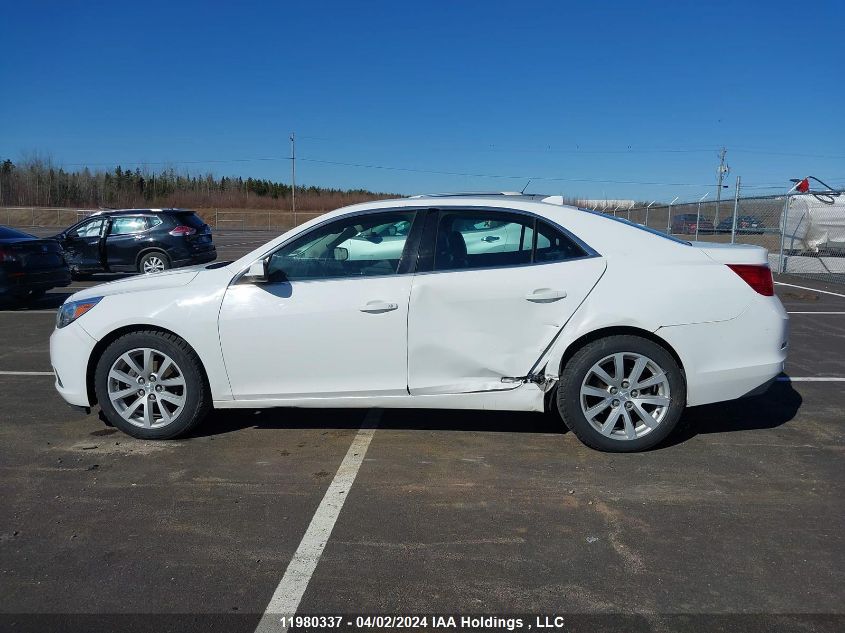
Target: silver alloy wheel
[
  {"x": 147, "y": 388},
  {"x": 625, "y": 396},
  {"x": 153, "y": 264}
]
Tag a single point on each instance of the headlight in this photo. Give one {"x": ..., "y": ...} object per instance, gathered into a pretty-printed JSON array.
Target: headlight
[{"x": 72, "y": 310}]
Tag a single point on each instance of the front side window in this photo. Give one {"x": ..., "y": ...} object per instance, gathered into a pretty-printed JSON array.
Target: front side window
[
  {"x": 90, "y": 229},
  {"x": 128, "y": 224},
  {"x": 359, "y": 246},
  {"x": 492, "y": 239}
]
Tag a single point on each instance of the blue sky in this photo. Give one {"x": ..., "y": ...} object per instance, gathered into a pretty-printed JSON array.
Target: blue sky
[{"x": 589, "y": 96}]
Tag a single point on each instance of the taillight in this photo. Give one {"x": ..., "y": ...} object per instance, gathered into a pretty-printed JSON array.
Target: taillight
[
  {"x": 758, "y": 276},
  {"x": 7, "y": 256},
  {"x": 183, "y": 230}
]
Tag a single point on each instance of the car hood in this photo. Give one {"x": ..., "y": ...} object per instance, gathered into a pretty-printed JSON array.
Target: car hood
[{"x": 141, "y": 283}]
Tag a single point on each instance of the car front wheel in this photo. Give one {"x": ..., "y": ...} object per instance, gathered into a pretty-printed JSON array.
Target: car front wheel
[
  {"x": 621, "y": 394},
  {"x": 150, "y": 385}
]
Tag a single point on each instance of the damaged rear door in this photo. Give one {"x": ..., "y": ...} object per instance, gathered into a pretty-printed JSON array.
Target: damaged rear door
[{"x": 476, "y": 318}]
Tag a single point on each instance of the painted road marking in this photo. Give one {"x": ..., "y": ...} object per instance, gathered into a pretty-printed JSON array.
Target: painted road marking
[
  {"x": 809, "y": 379},
  {"x": 26, "y": 373},
  {"x": 288, "y": 594},
  {"x": 27, "y": 311},
  {"x": 824, "y": 292}
]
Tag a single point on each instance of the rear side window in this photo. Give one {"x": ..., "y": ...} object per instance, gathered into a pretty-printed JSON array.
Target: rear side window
[
  {"x": 555, "y": 246},
  {"x": 482, "y": 239},
  {"x": 189, "y": 219},
  {"x": 492, "y": 239},
  {"x": 126, "y": 225}
]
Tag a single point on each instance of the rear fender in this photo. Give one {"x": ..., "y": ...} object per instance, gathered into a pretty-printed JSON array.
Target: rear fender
[{"x": 695, "y": 291}]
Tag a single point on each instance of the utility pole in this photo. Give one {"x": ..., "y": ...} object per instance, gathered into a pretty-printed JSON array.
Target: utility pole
[
  {"x": 736, "y": 208},
  {"x": 293, "y": 175},
  {"x": 721, "y": 172}
]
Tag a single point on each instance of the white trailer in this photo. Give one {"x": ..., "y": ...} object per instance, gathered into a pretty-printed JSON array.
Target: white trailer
[{"x": 815, "y": 223}]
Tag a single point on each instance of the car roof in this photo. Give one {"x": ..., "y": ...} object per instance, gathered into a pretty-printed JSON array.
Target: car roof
[{"x": 135, "y": 211}]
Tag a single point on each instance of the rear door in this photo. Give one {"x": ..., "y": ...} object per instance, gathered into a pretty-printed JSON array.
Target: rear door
[
  {"x": 124, "y": 241},
  {"x": 475, "y": 318}
]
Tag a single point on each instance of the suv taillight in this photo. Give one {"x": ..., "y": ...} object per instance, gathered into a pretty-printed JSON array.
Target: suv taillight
[
  {"x": 758, "y": 276},
  {"x": 183, "y": 230},
  {"x": 6, "y": 255}
]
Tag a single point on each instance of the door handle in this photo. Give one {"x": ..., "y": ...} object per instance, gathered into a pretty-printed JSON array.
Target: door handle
[
  {"x": 490, "y": 238},
  {"x": 545, "y": 295},
  {"x": 377, "y": 307}
]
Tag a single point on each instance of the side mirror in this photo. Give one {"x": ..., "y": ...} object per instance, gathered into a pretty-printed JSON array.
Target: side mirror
[
  {"x": 256, "y": 273},
  {"x": 341, "y": 254}
]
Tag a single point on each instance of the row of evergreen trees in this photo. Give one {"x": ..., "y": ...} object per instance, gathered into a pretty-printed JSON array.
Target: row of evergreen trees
[{"x": 37, "y": 183}]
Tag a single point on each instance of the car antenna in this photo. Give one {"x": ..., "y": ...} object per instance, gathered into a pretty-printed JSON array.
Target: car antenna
[{"x": 526, "y": 186}]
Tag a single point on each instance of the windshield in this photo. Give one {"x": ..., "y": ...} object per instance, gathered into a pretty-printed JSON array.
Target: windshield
[{"x": 639, "y": 226}]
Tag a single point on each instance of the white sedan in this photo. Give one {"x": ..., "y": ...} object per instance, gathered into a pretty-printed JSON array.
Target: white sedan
[{"x": 617, "y": 327}]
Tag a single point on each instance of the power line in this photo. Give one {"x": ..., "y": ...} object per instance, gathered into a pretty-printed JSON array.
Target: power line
[
  {"x": 414, "y": 170},
  {"x": 502, "y": 176},
  {"x": 791, "y": 154}
]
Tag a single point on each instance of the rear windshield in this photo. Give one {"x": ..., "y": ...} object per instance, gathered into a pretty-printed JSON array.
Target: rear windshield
[
  {"x": 639, "y": 226},
  {"x": 190, "y": 219},
  {"x": 8, "y": 234}
]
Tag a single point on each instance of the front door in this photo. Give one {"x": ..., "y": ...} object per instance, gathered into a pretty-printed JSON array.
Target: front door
[
  {"x": 332, "y": 318},
  {"x": 83, "y": 245},
  {"x": 477, "y": 317}
]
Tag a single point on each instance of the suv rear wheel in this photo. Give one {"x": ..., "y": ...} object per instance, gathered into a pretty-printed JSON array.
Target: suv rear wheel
[
  {"x": 154, "y": 262},
  {"x": 621, "y": 394}
]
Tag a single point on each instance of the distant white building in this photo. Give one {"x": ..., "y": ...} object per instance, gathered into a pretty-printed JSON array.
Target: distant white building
[{"x": 603, "y": 205}]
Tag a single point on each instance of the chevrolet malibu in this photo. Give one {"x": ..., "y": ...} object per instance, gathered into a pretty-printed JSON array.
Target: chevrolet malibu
[{"x": 494, "y": 302}]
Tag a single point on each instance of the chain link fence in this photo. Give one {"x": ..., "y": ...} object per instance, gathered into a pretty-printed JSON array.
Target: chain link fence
[{"x": 804, "y": 233}]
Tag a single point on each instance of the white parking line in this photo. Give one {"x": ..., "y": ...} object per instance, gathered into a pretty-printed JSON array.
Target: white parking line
[
  {"x": 824, "y": 292},
  {"x": 288, "y": 594},
  {"x": 27, "y": 312},
  {"x": 26, "y": 373},
  {"x": 809, "y": 379}
]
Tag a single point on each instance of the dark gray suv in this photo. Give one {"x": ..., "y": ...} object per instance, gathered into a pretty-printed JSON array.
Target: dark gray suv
[{"x": 137, "y": 240}]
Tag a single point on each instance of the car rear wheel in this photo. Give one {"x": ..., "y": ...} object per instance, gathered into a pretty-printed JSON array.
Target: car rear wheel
[
  {"x": 155, "y": 262},
  {"x": 150, "y": 385},
  {"x": 622, "y": 394}
]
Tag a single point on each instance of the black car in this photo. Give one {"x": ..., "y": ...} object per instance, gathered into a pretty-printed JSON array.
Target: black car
[
  {"x": 744, "y": 224},
  {"x": 137, "y": 240},
  {"x": 29, "y": 266}
]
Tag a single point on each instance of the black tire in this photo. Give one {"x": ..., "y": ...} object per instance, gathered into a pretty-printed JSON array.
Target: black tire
[
  {"x": 33, "y": 295},
  {"x": 159, "y": 255},
  {"x": 576, "y": 371},
  {"x": 196, "y": 392}
]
